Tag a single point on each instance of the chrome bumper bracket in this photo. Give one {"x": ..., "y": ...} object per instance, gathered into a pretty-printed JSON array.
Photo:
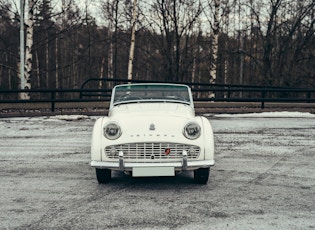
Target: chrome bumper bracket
[
  {"x": 185, "y": 160},
  {"x": 121, "y": 161}
]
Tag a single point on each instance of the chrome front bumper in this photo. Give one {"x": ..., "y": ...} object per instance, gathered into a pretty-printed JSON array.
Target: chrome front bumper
[{"x": 128, "y": 166}]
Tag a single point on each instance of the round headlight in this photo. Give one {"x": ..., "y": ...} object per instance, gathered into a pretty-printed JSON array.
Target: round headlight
[
  {"x": 192, "y": 131},
  {"x": 112, "y": 131}
]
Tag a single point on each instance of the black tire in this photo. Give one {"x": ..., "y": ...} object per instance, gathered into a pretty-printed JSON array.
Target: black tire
[
  {"x": 201, "y": 175},
  {"x": 103, "y": 175}
]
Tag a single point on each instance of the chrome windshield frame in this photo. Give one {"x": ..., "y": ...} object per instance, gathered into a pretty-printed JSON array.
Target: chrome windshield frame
[{"x": 129, "y": 96}]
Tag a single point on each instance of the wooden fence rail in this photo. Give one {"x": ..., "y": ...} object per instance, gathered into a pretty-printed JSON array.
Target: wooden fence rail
[{"x": 89, "y": 92}]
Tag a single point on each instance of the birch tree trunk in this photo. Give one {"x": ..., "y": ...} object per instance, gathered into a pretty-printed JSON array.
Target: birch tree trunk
[
  {"x": 28, "y": 48},
  {"x": 47, "y": 61},
  {"x": 214, "y": 46},
  {"x": 110, "y": 72},
  {"x": 100, "y": 83},
  {"x": 57, "y": 63},
  {"x": 37, "y": 70},
  {"x": 133, "y": 39}
]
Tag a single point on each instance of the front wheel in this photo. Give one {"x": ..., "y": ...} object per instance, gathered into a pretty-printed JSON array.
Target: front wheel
[
  {"x": 201, "y": 175},
  {"x": 103, "y": 175}
]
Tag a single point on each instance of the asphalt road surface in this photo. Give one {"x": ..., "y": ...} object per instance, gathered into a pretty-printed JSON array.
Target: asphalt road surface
[{"x": 263, "y": 179}]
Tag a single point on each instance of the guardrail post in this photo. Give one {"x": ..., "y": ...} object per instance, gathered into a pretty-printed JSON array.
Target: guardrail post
[
  {"x": 309, "y": 97},
  {"x": 52, "y": 101},
  {"x": 263, "y": 94},
  {"x": 229, "y": 93}
]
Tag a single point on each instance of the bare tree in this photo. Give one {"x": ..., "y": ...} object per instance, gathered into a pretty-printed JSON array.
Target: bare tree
[
  {"x": 112, "y": 14},
  {"x": 214, "y": 43},
  {"x": 281, "y": 31},
  {"x": 171, "y": 23},
  {"x": 268, "y": 42},
  {"x": 28, "y": 48},
  {"x": 133, "y": 39},
  {"x": 8, "y": 45}
]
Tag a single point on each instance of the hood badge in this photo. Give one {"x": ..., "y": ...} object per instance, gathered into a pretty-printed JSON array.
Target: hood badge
[{"x": 152, "y": 127}]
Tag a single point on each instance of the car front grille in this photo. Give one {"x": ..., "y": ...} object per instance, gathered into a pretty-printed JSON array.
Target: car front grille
[{"x": 152, "y": 152}]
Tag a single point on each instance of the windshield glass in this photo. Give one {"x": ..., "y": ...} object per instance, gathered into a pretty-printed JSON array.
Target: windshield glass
[{"x": 151, "y": 93}]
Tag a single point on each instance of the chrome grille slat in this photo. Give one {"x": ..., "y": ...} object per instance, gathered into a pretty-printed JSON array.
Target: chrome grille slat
[{"x": 153, "y": 151}]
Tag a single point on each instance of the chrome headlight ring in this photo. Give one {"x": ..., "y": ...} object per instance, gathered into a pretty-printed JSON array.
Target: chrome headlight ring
[
  {"x": 192, "y": 130},
  {"x": 112, "y": 131}
]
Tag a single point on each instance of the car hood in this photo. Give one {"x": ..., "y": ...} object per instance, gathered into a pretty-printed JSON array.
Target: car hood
[{"x": 144, "y": 122}]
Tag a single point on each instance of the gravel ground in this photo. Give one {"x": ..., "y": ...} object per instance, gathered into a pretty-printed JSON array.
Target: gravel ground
[{"x": 263, "y": 179}]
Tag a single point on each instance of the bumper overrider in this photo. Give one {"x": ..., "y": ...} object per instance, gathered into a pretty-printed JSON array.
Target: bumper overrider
[{"x": 153, "y": 168}]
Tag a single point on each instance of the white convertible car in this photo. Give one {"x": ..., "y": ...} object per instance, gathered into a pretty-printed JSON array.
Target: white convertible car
[{"x": 151, "y": 130}]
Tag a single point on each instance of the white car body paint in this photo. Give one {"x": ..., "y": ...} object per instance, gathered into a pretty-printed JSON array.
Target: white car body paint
[{"x": 152, "y": 140}]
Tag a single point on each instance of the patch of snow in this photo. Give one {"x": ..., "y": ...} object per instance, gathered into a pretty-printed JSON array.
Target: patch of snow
[
  {"x": 71, "y": 117},
  {"x": 269, "y": 114}
]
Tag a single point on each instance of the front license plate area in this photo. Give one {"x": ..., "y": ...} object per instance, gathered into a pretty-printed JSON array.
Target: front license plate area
[{"x": 153, "y": 171}]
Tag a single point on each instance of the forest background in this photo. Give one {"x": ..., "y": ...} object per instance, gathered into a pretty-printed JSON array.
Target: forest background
[{"x": 259, "y": 42}]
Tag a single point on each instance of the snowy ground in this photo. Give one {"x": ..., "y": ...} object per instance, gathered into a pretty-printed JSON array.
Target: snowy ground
[{"x": 264, "y": 178}]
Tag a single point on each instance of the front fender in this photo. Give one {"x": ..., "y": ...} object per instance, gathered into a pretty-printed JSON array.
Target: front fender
[
  {"x": 96, "y": 142},
  {"x": 208, "y": 139}
]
